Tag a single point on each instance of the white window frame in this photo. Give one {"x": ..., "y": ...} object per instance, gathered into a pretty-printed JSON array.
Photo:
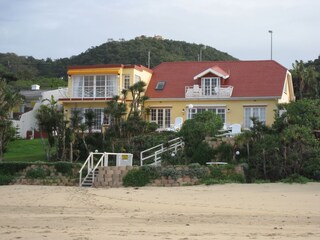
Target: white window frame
[
  {"x": 94, "y": 86},
  {"x": 126, "y": 81},
  {"x": 220, "y": 111},
  {"x": 161, "y": 116},
  {"x": 99, "y": 118},
  {"x": 258, "y": 112},
  {"x": 209, "y": 85}
]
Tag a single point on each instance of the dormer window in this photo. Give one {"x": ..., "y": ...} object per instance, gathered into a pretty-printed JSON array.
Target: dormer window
[
  {"x": 160, "y": 85},
  {"x": 210, "y": 85}
]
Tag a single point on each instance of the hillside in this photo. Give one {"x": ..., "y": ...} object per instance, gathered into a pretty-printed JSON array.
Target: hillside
[{"x": 133, "y": 51}]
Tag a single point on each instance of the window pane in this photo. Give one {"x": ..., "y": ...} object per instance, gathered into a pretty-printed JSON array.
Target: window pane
[
  {"x": 88, "y": 86},
  {"x": 126, "y": 82},
  {"x": 222, "y": 113},
  {"x": 100, "y": 86},
  {"x": 111, "y": 85},
  {"x": 77, "y": 86},
  {"x": 167, "y": 117}
]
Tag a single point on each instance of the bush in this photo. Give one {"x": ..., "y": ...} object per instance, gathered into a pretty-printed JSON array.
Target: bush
[
  {"x": 223, "y": 174},
  {"x": 6, "y": 179},
  {"x": 36, "y": 173},
  {"x": 296, "y": 178},
  {"x": 171, "y": 172},
  {"x": 202, "y": 154},
  {"x": 136, "y": 178},
  {"x": 64, "y": 168},
  {"x": 153, "y": 172},
  {"x": 198, "y": 171},
  {"x": 12, "y": 168}
]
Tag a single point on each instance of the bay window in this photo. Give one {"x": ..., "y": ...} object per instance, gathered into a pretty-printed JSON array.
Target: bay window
[{"x": 94, "y": 86}]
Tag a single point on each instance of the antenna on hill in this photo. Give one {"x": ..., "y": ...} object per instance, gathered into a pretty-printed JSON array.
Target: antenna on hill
[{"x": 149, "y": 59}]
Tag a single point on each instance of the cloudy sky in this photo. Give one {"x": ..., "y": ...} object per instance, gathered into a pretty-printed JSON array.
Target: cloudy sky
[{"x": 62, "y": 28}]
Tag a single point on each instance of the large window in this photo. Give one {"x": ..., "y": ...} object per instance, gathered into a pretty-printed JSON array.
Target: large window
[
  {"x": 209, "y": 85},
  {"x": 90, "y": 86},
  {"x": 217, "y": 110},
  {"x": 98, "y": 120},
  {"x": 161, "y": 116},
  {"x": 257, "y": 112}
]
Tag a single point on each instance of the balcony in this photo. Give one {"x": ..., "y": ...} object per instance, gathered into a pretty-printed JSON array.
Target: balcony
[{"x": 219, "y": 92}]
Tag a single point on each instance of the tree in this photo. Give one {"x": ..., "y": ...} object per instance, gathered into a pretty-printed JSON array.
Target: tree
[
  {"x": 305, "y": 77},
  {"x": 136, "y": 92},
  {"x": 194, "y": 131},
  {"x": 50, "y": 119},
  {"x": 8, "y": 100},
  {"x": 288, "y": 147}
]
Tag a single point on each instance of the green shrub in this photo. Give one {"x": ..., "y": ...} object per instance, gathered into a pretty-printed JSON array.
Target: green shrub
[
  {"x": 224, "y": 152},
  {"x": 6, "y": 179},
  {"x": 196, "y": 170},
  {"x": 136, "y": 178},
  {"x": 36, "y": 173},
  {"x": 296, "y": 178},
  {"x": 223, "y": 174},
  {"x": 66, "y": 168},
  {"x": 171, "y": 172},
  {"x": 153, "y": 172},
  {"x": 203, "y": 154},
  {"x": 12, "y": 168}
]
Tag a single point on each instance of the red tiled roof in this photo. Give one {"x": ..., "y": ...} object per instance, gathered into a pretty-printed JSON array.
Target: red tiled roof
[{"x": 248, "y": 78}]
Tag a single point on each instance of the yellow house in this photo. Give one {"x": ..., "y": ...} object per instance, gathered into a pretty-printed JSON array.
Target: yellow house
[
  {"x": 90, "y": 87},
  {"x": 235, "y": 90}
]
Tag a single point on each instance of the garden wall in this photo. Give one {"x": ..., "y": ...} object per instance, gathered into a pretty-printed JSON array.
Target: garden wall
[{"x": 112, "y": 177}]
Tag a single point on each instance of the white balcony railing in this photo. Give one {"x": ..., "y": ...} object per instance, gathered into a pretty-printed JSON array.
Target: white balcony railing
[{"x": 219, "y": 92}]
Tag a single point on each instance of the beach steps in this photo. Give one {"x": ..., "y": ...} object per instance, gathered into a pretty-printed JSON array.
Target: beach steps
[{"x": 88, "y": 181}]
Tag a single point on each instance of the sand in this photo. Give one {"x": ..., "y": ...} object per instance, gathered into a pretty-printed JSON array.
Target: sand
[{"x": 232, "y": 211}]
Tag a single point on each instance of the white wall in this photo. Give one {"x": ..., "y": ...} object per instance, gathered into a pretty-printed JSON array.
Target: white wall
[{"x": 28, "y": 121}]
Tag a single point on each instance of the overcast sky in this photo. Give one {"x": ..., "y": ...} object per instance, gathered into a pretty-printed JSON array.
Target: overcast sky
[{"x": 62, "y": 28}]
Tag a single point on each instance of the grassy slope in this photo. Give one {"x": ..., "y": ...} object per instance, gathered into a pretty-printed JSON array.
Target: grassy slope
[{"x": 25, "y": 150}]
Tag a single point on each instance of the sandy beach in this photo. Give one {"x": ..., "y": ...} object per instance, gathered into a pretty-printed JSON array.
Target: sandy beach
[{"x": 232, "y": 211}]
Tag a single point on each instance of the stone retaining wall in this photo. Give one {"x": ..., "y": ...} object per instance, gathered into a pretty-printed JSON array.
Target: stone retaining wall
[{"x": 111, "y": 176}]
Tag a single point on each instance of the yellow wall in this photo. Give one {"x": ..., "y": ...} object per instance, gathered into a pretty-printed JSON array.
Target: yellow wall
[
  {"x": 234, "y": 108},
  {"x": 69, "y": 104},
  {"x": 121, "y": 72}
]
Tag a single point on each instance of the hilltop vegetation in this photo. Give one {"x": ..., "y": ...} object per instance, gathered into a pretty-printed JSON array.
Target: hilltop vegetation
[{"x": 135, "y": 51}]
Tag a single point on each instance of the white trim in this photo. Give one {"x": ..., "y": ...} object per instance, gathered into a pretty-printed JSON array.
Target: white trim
[
  {"x": 276, "y": 98},
  {"x": 160, "y": 106},
  {"x": 255, "y": 105},
  {"x": 210, "y": 70},
  {"x": 208, "y": 105}
]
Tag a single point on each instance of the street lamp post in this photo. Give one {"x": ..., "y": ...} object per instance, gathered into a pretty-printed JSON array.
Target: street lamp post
[
  {"x": 270, "y": 31},
  {"x": 200, "y": 55}
]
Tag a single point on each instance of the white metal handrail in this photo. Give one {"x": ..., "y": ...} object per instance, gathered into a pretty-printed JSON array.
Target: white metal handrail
[{"x": 156, "y": 151}]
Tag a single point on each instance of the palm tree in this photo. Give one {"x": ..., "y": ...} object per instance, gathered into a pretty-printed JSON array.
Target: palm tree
[
  {"x": 306, "y": 76},
  {"x": 136, "y": 91}
]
